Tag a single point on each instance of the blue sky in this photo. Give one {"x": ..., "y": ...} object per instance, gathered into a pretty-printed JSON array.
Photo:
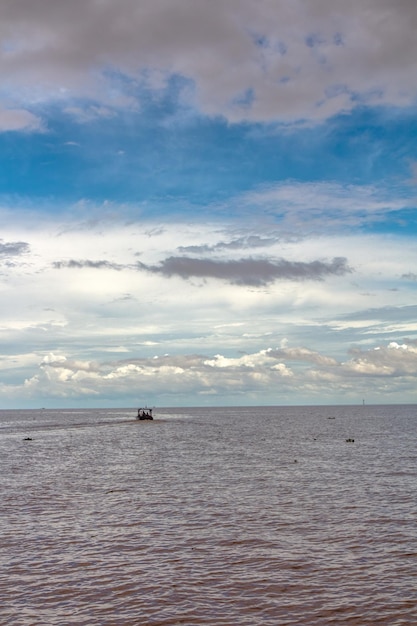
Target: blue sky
[{"x": 208, "y": 202}]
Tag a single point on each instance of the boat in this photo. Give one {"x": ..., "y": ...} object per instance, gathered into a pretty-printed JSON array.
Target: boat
[{"x": 144, "y": 414}]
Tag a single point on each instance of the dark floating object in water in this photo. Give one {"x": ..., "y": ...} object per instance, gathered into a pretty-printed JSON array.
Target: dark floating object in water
[
  {"x": 350, "y": 440},
  {"x": 28, "y": 439},
  {"x": 144, "y": 414}
]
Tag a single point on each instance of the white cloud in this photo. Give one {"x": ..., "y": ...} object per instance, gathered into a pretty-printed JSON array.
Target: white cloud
[
  {"x": 96, "y": 324},
  {"x": 325, "y": 207},
  {"x": 263, "y": 376},
  {"x": 89, "y": 113},
  {"x": 391, "y": 360},
  {"x": 261, "y": 359}
]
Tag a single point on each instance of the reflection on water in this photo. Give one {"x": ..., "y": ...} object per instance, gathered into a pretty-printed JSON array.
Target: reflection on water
[{"x": 260, "y": 516}]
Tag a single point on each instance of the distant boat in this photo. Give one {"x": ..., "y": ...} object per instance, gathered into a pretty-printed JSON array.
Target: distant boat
[{"x": 144, "y": 414}]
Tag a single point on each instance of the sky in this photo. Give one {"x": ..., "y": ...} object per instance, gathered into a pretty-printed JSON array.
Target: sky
[{"x": 208, "y": 202}]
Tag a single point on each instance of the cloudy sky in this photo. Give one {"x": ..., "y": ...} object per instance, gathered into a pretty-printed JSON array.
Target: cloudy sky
[{"x": 208, "y": 202}]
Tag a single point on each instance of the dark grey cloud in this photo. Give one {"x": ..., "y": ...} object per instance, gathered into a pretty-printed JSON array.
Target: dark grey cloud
[
  {"x": 13, "y": 248},
  {"x": 410, "y": 276},
  {"x": 242, "y": 243},
  {"x": 279, "y": 49},
  {"x": 249, "y": 272},
  {"x": 98, "y": 265}
]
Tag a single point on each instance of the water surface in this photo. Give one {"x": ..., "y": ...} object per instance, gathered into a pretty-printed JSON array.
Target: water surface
[{"x": 254, "y": 516}]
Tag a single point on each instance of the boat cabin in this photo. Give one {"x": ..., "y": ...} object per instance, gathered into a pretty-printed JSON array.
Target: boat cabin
[{"x": 144, "y": 414}]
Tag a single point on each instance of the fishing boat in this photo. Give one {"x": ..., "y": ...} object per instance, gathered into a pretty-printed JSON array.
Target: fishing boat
[{"x": 144, "y": 414}]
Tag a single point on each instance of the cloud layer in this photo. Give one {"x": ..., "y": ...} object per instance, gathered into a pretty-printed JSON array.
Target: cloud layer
[
  {"x": 207, "y": 201},
  {"x": 241, "y": 59},
  {"x": 107, "y": 329},
  {"x": 281, "y": 371}
]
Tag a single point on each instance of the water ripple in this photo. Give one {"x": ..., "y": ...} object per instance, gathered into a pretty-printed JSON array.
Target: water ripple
[{"x": 203, "y": 517}]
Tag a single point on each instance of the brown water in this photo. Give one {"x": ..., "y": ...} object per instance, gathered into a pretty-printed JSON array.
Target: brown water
[{"x": 261, "y": 516}]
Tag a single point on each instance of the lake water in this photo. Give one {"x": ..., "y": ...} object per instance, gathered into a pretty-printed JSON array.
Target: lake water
[{"x": 229, "y": 517}]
